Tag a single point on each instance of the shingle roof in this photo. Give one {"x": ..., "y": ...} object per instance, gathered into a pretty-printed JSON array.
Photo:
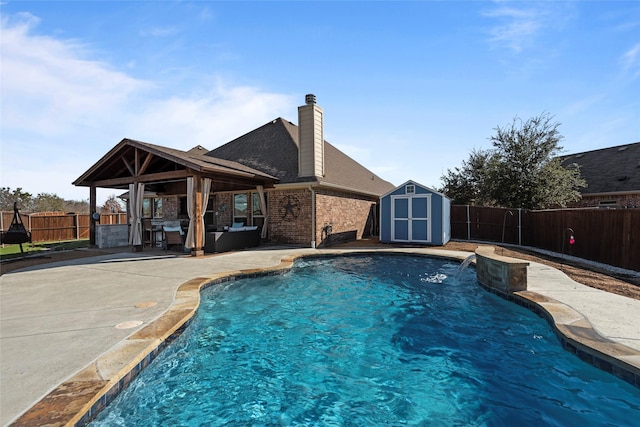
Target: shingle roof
[
  {"x": 273, "y": 149},
  {"x": 269, "y": 148},
  {"x": 608, "y": 170},
  {"x": 111, "y": 166},
  {"x": 197, "y": 157}
]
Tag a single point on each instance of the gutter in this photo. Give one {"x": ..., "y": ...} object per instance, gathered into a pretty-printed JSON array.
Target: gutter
[
  {"x": 313, "y": 217},
  {"x": 612, "y": 193},
  {"x": 319, "y": 184}
]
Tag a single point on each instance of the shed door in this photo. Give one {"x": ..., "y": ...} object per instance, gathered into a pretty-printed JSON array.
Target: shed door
[{"x": 410, "y": 218}]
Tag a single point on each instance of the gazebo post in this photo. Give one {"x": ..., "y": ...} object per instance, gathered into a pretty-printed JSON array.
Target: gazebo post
[
  {"x": 198, "y": 250},
  {"x": 92, "y": 211}
]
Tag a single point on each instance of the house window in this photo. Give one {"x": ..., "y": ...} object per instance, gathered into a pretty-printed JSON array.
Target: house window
[
  {"x": 182, "y": 208},
  {"x": 410, "y": 189},
  {"x": 257, "y": 216},
  {"x": 240, "y": 208},
  {"x": 607, "y": 204},
  {"x": 152, "y": 207},
  {"x": 210, "y": 217},
  {"x": 146, "y": 208},
  {"x": 157, "y": 207}
]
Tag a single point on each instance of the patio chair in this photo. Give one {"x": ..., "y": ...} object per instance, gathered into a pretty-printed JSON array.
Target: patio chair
[
  {"x": 173, "y": 235},
  {"x": 147, "y": 233}
]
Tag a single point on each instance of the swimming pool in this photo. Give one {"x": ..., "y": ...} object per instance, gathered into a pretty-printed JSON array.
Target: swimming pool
[{"x": 368, "y": 340}]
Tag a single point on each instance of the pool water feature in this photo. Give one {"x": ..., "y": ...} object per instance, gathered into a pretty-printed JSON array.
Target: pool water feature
[{"x": 368, "y": 340}]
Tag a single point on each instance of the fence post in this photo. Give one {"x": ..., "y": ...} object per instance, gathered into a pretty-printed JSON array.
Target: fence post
[
  {"x": 468, "y": 224},
  {"x": 519, "y": 226},
  {"x": 77, "y": 221}
]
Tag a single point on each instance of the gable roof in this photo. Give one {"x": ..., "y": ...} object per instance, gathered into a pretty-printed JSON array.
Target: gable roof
[
  {"x": 608, "y": 170},
  {"x": 417, "y": 184},
  {"x": 116, "y": 169},
  {"x": 273, "y": 149}
]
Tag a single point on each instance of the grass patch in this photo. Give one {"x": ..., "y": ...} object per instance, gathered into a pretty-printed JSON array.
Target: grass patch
[{"x": 13, "y": 251}]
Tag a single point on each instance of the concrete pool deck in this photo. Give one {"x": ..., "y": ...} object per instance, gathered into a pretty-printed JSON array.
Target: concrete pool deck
[{"x": 60, "y": 321}]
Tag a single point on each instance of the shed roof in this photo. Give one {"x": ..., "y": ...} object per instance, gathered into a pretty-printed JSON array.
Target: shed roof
[
  {"x": 608, "y": 170},
  {"x": 431, "y": 190},
  {"x": 273, "y": 149}
]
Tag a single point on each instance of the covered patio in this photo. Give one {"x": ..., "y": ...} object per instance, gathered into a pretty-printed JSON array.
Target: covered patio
[{"x": 189, "y": 178}]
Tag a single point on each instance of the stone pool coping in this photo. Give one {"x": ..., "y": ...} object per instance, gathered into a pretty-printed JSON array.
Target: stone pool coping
[{"x": 78, "y": 399}]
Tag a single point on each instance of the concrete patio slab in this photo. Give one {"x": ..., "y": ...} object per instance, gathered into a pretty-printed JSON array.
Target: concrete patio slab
[{"x": 57, "y": 320}]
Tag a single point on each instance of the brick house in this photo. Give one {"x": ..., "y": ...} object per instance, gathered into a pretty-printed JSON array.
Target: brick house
[
  {"x": 285, "y": 179},
  {"x": 612, "y": 175},
  {"x": 321, "y": 194}
]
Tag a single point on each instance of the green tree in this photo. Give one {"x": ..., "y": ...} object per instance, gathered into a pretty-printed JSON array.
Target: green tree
[
  {"x": 46, "y": 202},
  {"x": 522, "y": 170},
  {"x": 76, "y": 206},
  {"x": 463, "y": 185},
  {"x": 8, "y": 197},
  {"x": 43, "y": 202},
  {"x": 112, "y": 205}
]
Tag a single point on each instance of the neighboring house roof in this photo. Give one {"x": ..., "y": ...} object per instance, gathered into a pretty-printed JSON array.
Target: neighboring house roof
[
  {"x": 115, "y": 169},
  {"x": 273, "y": 149},
  {"x": 608, "y": 170}
]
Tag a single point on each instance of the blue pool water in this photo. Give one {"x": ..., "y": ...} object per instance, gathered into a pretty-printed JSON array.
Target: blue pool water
[{"x": 368, "y": 341}]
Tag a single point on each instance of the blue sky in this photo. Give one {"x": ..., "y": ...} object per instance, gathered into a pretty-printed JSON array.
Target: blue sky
[{"x": 408, "y": 88}]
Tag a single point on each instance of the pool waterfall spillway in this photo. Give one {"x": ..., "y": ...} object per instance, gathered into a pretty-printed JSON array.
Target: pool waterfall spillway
[
  {"x": 498, "y": 272},
  {"x": 467, "y": 261}
]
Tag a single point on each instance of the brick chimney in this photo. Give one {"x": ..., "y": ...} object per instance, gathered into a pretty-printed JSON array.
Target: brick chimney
[{"x": 310, "y": 138}]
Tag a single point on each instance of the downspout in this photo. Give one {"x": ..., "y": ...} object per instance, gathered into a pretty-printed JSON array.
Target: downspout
[{"x": 313, "y": 217}]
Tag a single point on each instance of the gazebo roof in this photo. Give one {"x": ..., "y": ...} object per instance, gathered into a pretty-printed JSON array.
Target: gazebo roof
[{"x": 136, "y": 161}]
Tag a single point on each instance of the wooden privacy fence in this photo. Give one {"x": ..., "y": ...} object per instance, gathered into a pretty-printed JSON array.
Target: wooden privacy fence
[
  {"x": 609, "y": 236},
  {"x": 48, "y": 227}
]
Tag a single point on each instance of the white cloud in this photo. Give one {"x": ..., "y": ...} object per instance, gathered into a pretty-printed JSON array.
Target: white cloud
[
  {"x": 63, "y": 109},
  {"x": 517, "y": 26},
  {"x": 580, "y": 106},
  {"x": 631, "y": 61},
  {"x": 159, "y": 32},
  {"x": 210, "y": 118},
  {"x": 520, "y": 25},
  {"x": 48, "y": 87}
]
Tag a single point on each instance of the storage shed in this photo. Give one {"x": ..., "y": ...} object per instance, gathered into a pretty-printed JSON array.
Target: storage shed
[{"x": 413, "y": 213}]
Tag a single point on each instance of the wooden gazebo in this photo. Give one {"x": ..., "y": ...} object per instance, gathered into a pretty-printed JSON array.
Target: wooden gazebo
[{"x": 137, "y": 167}]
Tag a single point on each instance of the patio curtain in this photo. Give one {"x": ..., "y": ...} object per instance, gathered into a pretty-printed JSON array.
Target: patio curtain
[
  {"x": 190, "y": 241},
  {"x": 136, "y": 194},
  {"x": 206, "y": 189},
  {"x": 263, "y": 209}
]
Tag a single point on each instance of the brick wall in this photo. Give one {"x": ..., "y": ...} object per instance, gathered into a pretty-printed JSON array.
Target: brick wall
[
  {"x": 225, "y": 216},
  {"x": 622, "y": 201},
  {"x": 346, "y": 213},
  {"x": 170, "y": 206},
  {"x": 289, "y": 216}
]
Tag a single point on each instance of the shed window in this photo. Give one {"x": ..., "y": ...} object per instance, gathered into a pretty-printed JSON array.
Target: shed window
[{"x": 410, "y": 189}]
